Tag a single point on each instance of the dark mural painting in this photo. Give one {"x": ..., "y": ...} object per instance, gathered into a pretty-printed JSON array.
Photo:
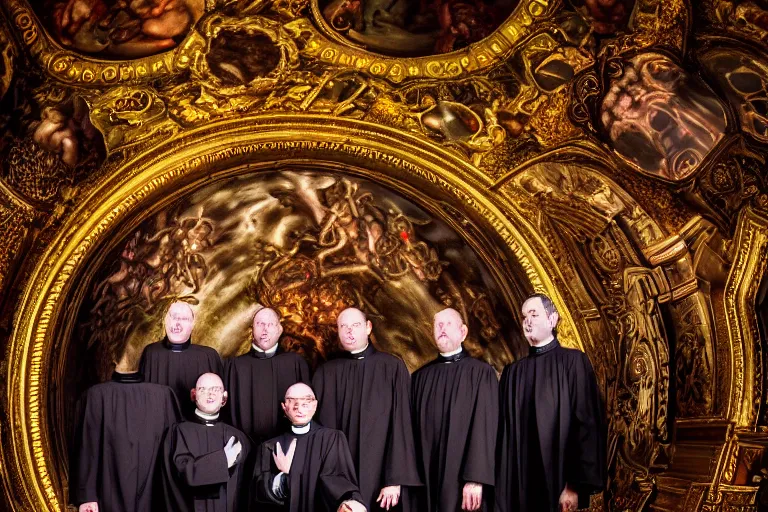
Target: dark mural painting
[
  {"x": 119, "y": 28},
  {"x": 308, "y": 244},
  {"x": 413, "y": 28}
]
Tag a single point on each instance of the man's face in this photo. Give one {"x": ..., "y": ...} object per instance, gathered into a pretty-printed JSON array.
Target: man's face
[
  {"x": 208, "y": 394},
  {"x": 353, "y": 330},
  {"x": 179, "y": 322},
  {"x": 537, "y": 325},
  {"x": 449, "y": 330},
  {"x": 299, "y": 407},
  {"x": 266, "y": 329}
]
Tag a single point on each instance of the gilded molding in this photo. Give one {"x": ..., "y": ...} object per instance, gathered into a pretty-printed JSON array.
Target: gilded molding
[
  {"x": 174, "y": 166},
  {"x": 750, "y": 252}
]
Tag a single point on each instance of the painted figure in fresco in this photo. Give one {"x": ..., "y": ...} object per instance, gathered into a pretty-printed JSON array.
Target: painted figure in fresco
[
  {"x": 660, "y": 119},
  {"x": 123, "y": 28},
  {"x": 404, "y": 27},
  {"x": 118, "y": 441},
  {"x": 309, "y": 468},
  {"x": 176, "y": 361},
  {"x": 365, "y": 394},
  {"x": 551, "y": 447},
  {"x": 455, "y": 414},
  {"x": 203, "y": 458}
]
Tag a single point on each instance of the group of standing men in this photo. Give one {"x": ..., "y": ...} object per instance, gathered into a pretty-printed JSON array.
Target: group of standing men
[{"x": 364, "y": 436}]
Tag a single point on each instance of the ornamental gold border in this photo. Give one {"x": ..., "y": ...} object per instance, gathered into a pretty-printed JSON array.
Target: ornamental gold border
[
  {"x": 331, "y": 48},
  {"x": 191, "y": 160},
  {"x": 78, "y": 69},
  {"x": 750, "y": 251}
]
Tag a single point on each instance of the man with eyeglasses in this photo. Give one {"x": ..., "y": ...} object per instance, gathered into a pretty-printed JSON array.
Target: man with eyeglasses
[
  {"x": 203, "y": 458},
  {"x": 177, "y": 362},
  {"x": 366, "y": 394},
  {"x": 309, "y": 468},
  {"x": 258, "y": 380}
]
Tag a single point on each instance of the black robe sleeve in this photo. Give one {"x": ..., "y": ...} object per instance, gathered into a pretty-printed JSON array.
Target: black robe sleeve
[
  {"x": 337, "y": 481},
  {"x": 585, "y": 463},
  {"x": 480, "y": 457},
  {"x": 196, "y": 470},
  {"x": 264, "y": 476},
  {"x": 400, "y": 456}
]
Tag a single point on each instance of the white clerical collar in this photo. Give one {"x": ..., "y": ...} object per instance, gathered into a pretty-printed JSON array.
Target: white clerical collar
[
  {"x": 205, "y": 416},
  {"x": 359, "y": 350},
  {"x": 269, "y": 351},
  {"x": 451, "y": 353},
  {"x": 545, "y": 342},
  {"x": 299, "y": 429}
]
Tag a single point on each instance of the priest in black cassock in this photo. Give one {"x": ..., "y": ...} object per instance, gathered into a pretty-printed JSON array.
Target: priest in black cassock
[
  {"x": 175, "y": 361},
  {"x": 455, "y": 415},
  {"x": 309, "y": 468},
  {"x": 257, "y": 381},
  {"x": 551, "y": 445},
  {"x": 203, "y": 458},
  {"x": 365, "y": 394},
  {"x": 116, "y": 460}
]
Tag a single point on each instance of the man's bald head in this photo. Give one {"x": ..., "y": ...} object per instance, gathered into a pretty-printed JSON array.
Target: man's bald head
[
  {"x": 179, "y": 322},
  {"x": 299, "y": 404},
  {"x": 209, "y": 394},
  {"x": 266, "y": 328},
  {"x": 299, "y": 390},
  {"x": 354, "y": 329},
  {"x": 449, "y": 330}
]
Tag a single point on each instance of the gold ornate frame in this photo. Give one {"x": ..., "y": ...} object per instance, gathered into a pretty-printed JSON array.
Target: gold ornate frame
[{"x": 420, "y": 170}]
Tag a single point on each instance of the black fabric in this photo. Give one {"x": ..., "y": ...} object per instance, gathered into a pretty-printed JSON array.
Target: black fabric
[
  {"x": 256, "y": 387},
  {"x": 118, "y": 442},
  {"x": 367, "y": 396},
  {"x": 179, "y": 369},
  {"x": 455, "y": 415},
  {"x": 322, "y": 474},
  {"x": 551, "y": 431},
  {"x": 195, "y": 473}
]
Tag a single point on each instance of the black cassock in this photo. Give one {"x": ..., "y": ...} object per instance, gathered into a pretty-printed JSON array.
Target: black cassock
[
  {"x": 322, "y": 474},
  {"x": 455, "y": 415},
  {"x": 118, "y": 441},
  {"x": 195, "y": 473},
  {"x": 256, "y": 384},
  {"x": 366, "y": 396},
  {"x": 551, "y": 431},
  {"x": 179, "y": 366}
]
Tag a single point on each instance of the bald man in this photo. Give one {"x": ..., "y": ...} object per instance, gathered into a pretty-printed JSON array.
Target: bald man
[
  {"x": 175, "y": 361},
  {"x": 309, "y": 468},
  {"x": 203, "y": 458},
  {"x": 455, "y": 414},
  {"x": 257, "y": 381},
  {"x": 365, "y": 394}
]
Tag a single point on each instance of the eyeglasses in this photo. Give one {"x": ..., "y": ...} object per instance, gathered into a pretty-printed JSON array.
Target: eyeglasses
[
  {"x": 303, "y": 402},
  {"x": 355, "y": 325},
  {"x": 210, "y": 391}
]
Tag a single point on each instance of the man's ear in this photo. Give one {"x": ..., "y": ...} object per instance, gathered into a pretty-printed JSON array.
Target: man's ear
[
  {"x": 464, "y": 331},
  {"x": 279, "y": 329},
  {"x": 282, "y": 404},
  {"x": 368, "y": 327},
  {"x": 193, "y": 394},
  {"x": 553, "y": 319},
  {"x": 224, "y": 398}
]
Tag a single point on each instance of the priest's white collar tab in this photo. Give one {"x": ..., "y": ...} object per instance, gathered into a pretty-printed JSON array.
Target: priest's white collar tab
[
  {"x": 206, "y": 416},
  {"x": 451, "y": 353},
  {"x": 300, "y": 429}
]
